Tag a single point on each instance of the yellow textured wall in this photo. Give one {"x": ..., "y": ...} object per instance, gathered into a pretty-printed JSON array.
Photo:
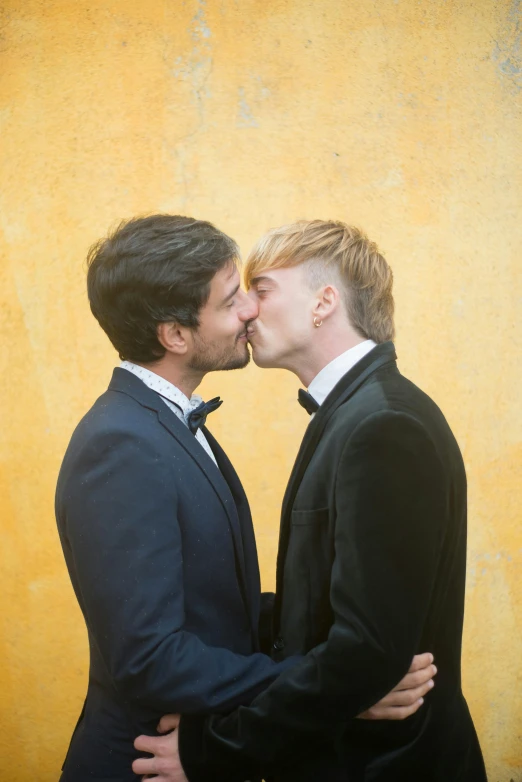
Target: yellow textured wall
[{"x": 402, "y": 116}]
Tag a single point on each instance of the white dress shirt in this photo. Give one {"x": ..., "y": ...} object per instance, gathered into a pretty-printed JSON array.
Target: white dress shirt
[
  {"x": 330, "y": 375},
  {"x": 175, "y": 399}
]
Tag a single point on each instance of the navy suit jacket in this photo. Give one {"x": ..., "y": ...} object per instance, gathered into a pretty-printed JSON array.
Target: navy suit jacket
[{"x": 161, "y": 553}]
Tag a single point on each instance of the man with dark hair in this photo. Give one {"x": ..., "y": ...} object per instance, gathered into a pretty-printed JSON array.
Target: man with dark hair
[
  {"x": 153, "y": 520},
  {"x": 157, "y": 270}
]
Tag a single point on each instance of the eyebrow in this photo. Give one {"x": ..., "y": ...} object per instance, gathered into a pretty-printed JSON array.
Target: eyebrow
[
  {"x": 230, "y": 295},
  {"x": 258, "y": 280}
]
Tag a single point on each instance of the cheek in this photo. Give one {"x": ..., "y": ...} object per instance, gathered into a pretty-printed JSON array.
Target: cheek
[
  {"x": 293, "y": 329},
  {"x": 272, "y": 317},
  {"x": 232, "y": 324},
  {"x": 226, "y": 321},
  {"x": 287, "y": 323},
  {"x": 218, "y": 331}
]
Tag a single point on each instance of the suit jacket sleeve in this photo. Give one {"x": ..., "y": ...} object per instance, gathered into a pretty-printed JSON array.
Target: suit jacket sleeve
[
  {"x": 122, "y": 529},
  {"x": 390, "y": 508}
]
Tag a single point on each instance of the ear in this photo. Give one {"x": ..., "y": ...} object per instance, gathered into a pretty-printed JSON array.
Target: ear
[
  {"x": 327, "y": 302},
  {"x": 173, "y": 337}
]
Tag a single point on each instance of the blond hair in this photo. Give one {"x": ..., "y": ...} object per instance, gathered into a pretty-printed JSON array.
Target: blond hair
[{"x": 334, "y": 253}]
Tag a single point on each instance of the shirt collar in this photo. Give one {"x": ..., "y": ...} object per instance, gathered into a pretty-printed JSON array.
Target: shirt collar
[
  {"x": 330, "y": 375},
  {"x": 163, "y": 387}
]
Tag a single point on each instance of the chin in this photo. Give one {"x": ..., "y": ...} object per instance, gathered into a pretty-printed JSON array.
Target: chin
[
  {"x": 263, "y": 361},
  {"x": 240, "y": 362}
]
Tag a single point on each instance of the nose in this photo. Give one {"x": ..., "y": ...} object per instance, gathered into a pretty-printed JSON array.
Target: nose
[{"x": 249, "y": 308}]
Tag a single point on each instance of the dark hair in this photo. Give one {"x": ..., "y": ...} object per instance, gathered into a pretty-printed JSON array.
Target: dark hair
[{"x": 152, "y": 270}]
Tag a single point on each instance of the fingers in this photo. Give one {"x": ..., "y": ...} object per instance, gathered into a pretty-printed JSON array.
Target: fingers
[
  {"x": 157, "y": 745},
  {"x": 147, "y": 744},
  {"x": 402, "y": 712},
  {"x": 168, "y": 722},
  {"x": 406, "y": 697},
  {"x": 164, "y": 750},
  {"x": 399, "y": 704},
  {"x": 143, "y": 766},
  {"x": 416, "y": 679},
  {"x": 380, "y": 712},
  {"x": 421, "y": 661}
]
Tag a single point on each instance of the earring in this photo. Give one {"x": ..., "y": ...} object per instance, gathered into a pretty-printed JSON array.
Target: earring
[{"x": 317, "y": 322}]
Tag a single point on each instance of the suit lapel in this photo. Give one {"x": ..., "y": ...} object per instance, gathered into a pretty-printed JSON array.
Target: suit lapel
[
  {"x": 127, "y": 383},
  {"x": 378, "y": 357}
]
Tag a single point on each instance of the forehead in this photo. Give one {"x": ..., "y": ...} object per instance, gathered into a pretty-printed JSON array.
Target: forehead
[
  {"x": 225, "y": 277},
  {"x": 277, "y": 277}
]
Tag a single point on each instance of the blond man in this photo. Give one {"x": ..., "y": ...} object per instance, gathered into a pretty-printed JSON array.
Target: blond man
[{"x": 372, "y": 550}]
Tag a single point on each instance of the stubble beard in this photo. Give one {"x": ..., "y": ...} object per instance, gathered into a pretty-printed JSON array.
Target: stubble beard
[{"x": 208, "y": 359}]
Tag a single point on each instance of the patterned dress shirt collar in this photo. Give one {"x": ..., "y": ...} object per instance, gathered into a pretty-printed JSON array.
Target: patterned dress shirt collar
[{"x": 175, "y": 399}]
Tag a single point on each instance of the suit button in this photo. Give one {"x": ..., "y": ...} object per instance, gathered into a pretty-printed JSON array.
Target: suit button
[{"x": 279, "y": 644}]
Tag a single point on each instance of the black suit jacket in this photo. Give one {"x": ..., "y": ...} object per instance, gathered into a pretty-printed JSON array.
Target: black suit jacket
[
  {"x": 371, "y": 570},
  {"x": 161, "y": 553}
]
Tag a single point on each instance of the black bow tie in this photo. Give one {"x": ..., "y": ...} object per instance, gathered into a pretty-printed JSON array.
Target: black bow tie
[
  {"x": 198, "y": 416},
  {"x": 307, "y": 401}
]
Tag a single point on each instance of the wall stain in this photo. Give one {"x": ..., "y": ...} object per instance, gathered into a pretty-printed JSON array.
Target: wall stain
[
  {"x": 245, "y": 117},
  {"x": 508, "y": 51}
]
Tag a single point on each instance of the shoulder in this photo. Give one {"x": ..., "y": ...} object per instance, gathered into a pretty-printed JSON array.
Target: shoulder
[
  {"x": 392, "y": 451},
  {"x": 388, "y": 425},
  {"x": 388, "y": 396},
  {"x": 387, "y": 413},
  {"x": 115, "y": 424}
]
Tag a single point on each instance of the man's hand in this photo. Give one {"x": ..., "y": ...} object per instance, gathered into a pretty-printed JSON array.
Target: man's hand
[
  {"x": 164, "y": 765},
  {"x": 403, "y": 701},
  {"x": 408, "y": 696}
]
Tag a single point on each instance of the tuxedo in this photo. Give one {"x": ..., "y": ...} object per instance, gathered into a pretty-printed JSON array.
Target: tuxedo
[
  {"x": 160, "y": 548},
  {"x": 370, "y": 572}
]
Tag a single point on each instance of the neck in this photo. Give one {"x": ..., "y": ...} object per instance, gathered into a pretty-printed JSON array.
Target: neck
[
  {"x": 323, "y": 352},
  {"x": 183, "y": 377}
]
